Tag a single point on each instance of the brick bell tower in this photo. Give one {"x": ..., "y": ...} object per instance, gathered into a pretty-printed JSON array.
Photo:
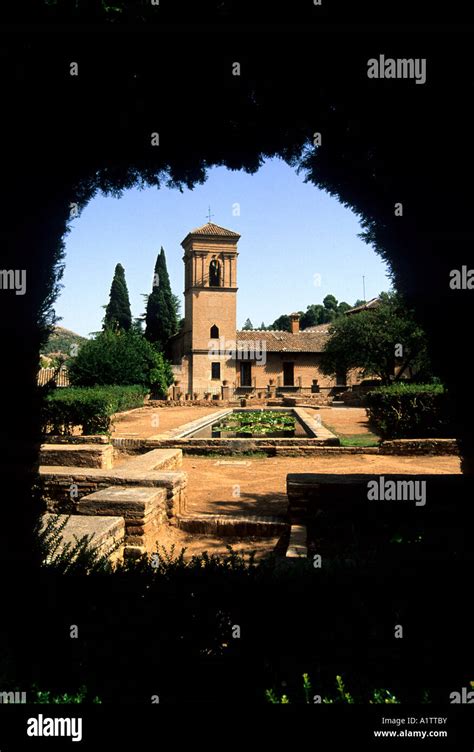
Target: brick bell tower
[{"x": 210, "y": 305}]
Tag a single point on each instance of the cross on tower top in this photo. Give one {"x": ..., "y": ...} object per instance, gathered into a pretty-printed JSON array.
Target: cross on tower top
[{"x": 209, "y": 215}]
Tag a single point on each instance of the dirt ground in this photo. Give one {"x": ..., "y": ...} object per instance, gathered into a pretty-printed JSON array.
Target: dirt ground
[
  {"x": 147, "y": 421},
  {"x": 195, "y": 544},
  {"x": 214, "y": 484},
  {"x": 345, "y": 420}
]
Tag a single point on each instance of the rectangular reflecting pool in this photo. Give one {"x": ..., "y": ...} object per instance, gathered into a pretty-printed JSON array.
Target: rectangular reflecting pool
[{"x": 254, "y": 424}]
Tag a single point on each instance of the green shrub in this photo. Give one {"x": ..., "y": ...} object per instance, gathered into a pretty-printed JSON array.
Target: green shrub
[
  {"x": 46, "y": 697},
  {"x": 407, "y": 411},
  {"x": 193, "y": 606},
  {"x": 91, "y": 408},
  {"x": 378, "y": 697},
  {"x": 123, "y": 358},
  {"x": 81, "y": 557}
]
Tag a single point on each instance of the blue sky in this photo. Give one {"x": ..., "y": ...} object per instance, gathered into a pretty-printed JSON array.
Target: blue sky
[{"x": 298, "y": 244}]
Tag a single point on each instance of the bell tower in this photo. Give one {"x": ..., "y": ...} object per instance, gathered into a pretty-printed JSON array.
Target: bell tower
[{"x": 210, "y": 305}]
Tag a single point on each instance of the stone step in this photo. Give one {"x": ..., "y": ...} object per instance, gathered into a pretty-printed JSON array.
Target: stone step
[
  {"x": 103, "y": 532},
  {"x": 79, "y": 455},
  {"x": 132, "y": 502},
  {"x": 297, "y": 546},
  {"x": 143, "y": 509},
  {"x": 64, "y": 487},
  {"x": 157, "y": 459},
  {"x": 228, "y": 525}
]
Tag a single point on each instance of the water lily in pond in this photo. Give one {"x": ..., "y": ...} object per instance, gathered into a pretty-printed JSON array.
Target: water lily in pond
[{"x": 256, "y": 422}]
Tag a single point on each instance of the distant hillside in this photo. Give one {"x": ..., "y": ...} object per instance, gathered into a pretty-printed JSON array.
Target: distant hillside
[{"x": 61, "y": 340}]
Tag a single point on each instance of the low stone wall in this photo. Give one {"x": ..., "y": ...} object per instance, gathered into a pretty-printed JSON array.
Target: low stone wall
[
  {"x": 192, "y": 403},
  {"x": 298, "y": 542},
  {"x": 230, "y": 446},
  {"x": 143, "y": 509},
  {"x": 322, "y": 451},
  {"x": 419, "y": 446},
  {"x": 270, "y": 447},
  {"x": 354, "y": 398},
  {"x": 309, "y": 400},
  {"x": 63, "y": 488},
  {"x": 165, "y": 459},
  {"x": 224, "y": 525},
  {"x": 310, "y": 494},
  {"x": 104, "y": 532},
  {"x": 91, "y": 439},
  {"x": 78, "y": 455}
]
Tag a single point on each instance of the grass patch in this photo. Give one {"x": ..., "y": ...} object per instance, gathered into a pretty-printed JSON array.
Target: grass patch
[
  {"x": 359, "y": 440},
  {"x": 355, "y": 439}
]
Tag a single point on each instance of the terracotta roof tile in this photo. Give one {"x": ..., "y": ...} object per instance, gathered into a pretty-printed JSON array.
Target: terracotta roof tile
[
  {"x": 303, "y": 341},
  {"x": 321, "y": 328},
  {"x": 212, "y": 230}
]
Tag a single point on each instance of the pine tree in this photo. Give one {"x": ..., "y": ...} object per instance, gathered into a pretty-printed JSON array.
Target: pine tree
[
  {"x": 248, "y": 326},
  {"x": 162, "y": 306},
  {"x": 118, "y": 315}
]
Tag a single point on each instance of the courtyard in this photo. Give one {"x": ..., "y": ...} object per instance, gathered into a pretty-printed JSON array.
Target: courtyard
[{"x": 254, "y": 485}]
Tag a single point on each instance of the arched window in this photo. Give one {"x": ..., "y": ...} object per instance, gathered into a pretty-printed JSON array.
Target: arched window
[
  {"x": 214, "y": 332},
  {"x": 214, "y": 273}
]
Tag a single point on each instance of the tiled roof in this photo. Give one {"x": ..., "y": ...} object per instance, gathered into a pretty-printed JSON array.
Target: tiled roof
[
  {"x": 373, "y": 303},
  {"x": 212, "y": 230},
  {"x": 303, "y": 341},
  {"x": 321, "y": 328}
]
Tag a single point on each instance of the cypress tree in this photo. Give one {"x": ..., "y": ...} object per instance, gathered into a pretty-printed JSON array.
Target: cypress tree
[
  {"x": 118, "y": 315},
  {"x": 161, "y": 309}
]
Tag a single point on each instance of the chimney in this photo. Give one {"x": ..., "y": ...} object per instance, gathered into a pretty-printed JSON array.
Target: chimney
[{"x": 294, "y": 323}]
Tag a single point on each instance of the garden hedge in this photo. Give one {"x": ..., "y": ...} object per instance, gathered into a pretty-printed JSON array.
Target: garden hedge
[
  {"x": 88, "y": 407},
  {"x": 404, "y": 411}
]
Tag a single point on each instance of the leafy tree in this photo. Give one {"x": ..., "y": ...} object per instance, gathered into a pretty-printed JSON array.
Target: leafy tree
[
  {"x": 248, "y": 326},
  {"x": 118, "y": 316},
  {"x": 120, "y": 358},
  {"x": 162, "y": 306},
  {"x": 342, "y": 308},
  {"x": 281, "y": 324},
  {"x": 376, "y": 340},
  {"x": 322, "y": 314},
  {"x": 330, "y": 303},
  {"x": 313, "y": 316}
]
